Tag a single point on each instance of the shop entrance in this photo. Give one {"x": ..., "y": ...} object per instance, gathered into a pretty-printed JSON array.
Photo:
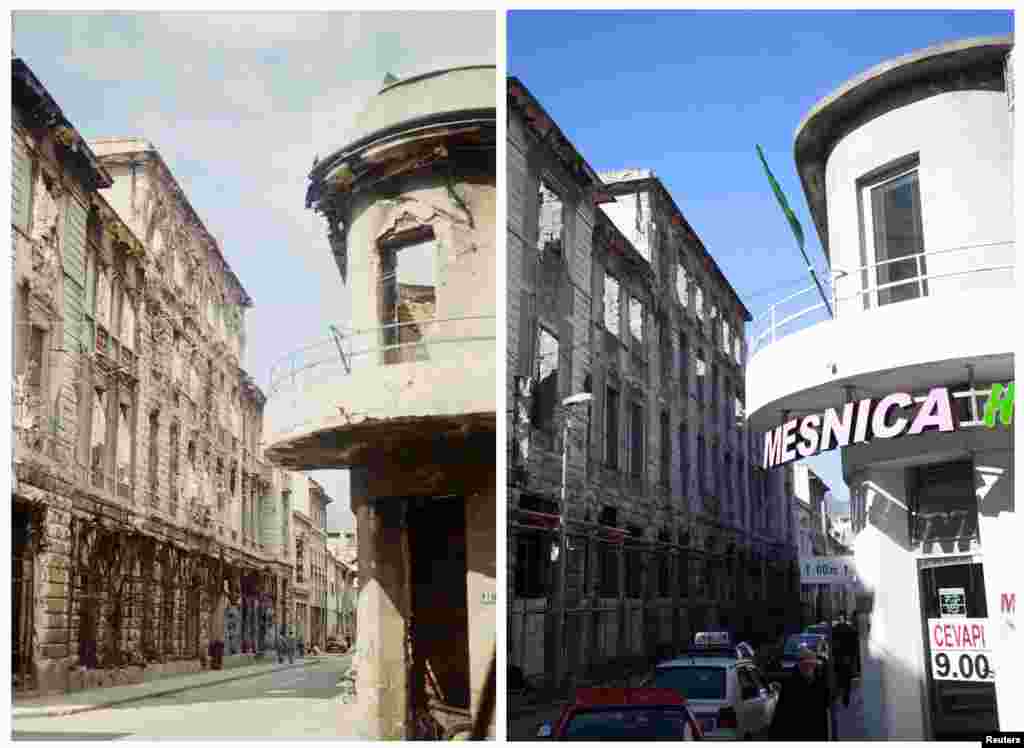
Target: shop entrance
[{"x": 961, "y": 685}]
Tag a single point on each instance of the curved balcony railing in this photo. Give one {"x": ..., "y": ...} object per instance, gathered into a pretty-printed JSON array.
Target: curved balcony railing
[
  {"x": 933, "y": 273},
  {"x": 348, "y": 351}
]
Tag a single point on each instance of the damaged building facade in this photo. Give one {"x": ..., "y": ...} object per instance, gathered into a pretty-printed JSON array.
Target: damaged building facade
[
  {"x": 404, "y": 395},
  {"x": 137, "y": 475},
  {"x": 626, "y": 360}
]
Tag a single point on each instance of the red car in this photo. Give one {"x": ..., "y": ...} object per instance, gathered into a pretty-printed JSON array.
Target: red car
[{"x": 625, "y": 714}]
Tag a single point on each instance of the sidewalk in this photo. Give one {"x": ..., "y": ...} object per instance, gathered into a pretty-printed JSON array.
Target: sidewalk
[{"x": 62, "y": 705}]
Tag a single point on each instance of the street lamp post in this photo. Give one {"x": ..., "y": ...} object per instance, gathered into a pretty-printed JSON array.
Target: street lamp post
[{"x": 568, "y": 403}]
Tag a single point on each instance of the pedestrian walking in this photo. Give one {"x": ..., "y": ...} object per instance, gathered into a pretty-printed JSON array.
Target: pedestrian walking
[
  {"x": 804, "y": 710},
  {"x": 844, "y": 650}
]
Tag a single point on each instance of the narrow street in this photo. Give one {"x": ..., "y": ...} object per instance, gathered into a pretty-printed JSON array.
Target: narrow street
[{"x": 290, "y": 704}]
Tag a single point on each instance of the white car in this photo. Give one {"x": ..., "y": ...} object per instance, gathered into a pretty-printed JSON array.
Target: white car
[{"x": 728, "y": 695}]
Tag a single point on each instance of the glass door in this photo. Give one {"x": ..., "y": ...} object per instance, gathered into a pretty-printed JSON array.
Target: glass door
[{"x": 961, "y": 684}]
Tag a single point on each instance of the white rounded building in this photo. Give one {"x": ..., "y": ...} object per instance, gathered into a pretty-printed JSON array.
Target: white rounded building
[{"x": 908, "y": 172}]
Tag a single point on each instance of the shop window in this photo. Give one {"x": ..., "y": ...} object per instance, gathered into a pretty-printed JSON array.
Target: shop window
[
  {"x": 546, "y": 392},
  {"x": 532, "y": 564},
  {"x": 893, "y": 228},
  {"x": 611, "y": 419},
  {"x": 408, "y": 294},
  {"x": 611, "y": 304}
]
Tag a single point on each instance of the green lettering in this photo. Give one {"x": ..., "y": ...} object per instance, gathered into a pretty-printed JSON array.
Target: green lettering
[{"x": 1002, "y": 400}]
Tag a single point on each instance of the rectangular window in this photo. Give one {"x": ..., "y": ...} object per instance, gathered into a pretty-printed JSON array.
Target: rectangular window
[
  {"x": 611, "y": 430},
  {"x": 546, "y": 392},
  {"x": 684, "y": 459},
  {"x": 636, "y": 439},
  {"x": 666, "y": 450},
  {"x": 892, "y": 214},
  {"x": 636, "y": 320},
  {"x": 682, "y": 289},
  {"x": 702, "y": 369},
  {"x": 408, "y": 296},
  {"x": 532, "y": 565},
  {"x": 608, "y": 563},
  {"x": 611, "y": 305},
  {"x": 550, "y": 220},
  {"x": 945, "y": 502}
]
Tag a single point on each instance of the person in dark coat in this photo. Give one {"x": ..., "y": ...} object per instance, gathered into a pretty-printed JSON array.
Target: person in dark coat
[
  {"x": 844, "y": 652},
  {"x": 805, "y": 704}
]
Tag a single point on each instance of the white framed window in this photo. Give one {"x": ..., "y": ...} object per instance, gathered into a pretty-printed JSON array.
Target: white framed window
[{"x": 894, "y": 235}]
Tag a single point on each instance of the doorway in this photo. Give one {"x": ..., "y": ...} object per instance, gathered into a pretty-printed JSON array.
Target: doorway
[
  {"x": 962, "y": 703},
  {"x": 22, "y": 589},
  {"x": 438, "y": 621}
]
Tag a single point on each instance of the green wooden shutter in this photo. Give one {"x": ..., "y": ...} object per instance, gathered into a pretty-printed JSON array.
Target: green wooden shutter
[
  {"x": 73, "y": 252},
  {"x": 74, "y": 241},
  {"x": 21, "y": 183},
  {"x": 88, "y": 322}
]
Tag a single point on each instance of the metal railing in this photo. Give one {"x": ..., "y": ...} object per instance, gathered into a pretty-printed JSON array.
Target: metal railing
[
  {"x": 394, "y": 343},
  {"x": 804, "y": 308}
]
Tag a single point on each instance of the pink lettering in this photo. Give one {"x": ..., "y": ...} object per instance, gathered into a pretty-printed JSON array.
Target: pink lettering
[
  {"x": 1008, "y": 602},
  {"x": 937, "y": 635},
  {"x": 978, "y": 633}
]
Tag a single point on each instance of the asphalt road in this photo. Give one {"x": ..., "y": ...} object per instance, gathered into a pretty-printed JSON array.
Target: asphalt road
[{"x": 291, "y": 704}]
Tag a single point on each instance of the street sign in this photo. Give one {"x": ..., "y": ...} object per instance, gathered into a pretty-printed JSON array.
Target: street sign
[
  {"x": 952, "y": 602},
  {"x": 961, "y": 649},
  {"x": 828, "y": 570}
]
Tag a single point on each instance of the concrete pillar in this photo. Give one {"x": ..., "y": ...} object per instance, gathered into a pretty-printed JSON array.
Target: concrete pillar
[
  {"x": 382, "y": 672},
  {"x": 481, "y": 589}
]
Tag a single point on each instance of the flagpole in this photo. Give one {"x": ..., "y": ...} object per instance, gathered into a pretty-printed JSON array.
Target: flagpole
[{"x": 794, "y": 224}]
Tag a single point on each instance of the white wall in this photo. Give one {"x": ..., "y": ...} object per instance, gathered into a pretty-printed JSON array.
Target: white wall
[{"x": 964, "y": 140}]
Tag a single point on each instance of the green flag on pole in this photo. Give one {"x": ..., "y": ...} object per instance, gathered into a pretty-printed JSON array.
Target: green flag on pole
[{"x": 794, "y": 224}]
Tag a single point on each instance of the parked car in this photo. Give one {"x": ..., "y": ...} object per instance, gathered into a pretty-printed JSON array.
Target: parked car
[
  {"x": 817, "y": 643},
  {"x": 726, "y": 691},
  {"x": 624, "y": 714}
]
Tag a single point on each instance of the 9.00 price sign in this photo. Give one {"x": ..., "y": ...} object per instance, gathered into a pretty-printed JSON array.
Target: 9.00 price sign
[
  {"x": 960, "y": 649},
  {"x": 961, "y": 665}
]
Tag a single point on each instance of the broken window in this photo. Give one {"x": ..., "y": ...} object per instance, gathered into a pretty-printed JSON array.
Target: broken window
[
  {"x": 550, "y": 220},
  {"x": 681, "y": 286},
  {"x": 532, "y": 565},
  {"x": 124, "y": 446},
  {"x": 636, "y": 320},
  {"x": 611, "y": 305},
  {"x": 547, "y": 380},
  {"x": 98, "y": 440},
  {"x": 637, "y": 434},
  {"x": 154, "y": 451},
  {"x": 611, "y": 412},
  {"x": 408, "y": 295},
  {"x": 702, "y": 368},
  {"x": 128, "y": 323}
]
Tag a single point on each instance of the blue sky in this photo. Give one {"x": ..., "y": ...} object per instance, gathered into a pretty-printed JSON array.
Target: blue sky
[
  {"x": 238, "y": 106},
  {"x": 689, "y": 94}
]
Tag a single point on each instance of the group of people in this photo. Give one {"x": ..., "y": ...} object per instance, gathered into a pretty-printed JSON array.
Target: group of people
[{"x": 805, "y": 710}]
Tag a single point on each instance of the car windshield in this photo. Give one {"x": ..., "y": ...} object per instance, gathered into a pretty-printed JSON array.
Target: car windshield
[
  {"x": 629, "y": 723},
  {"x": 795, "y": 643},
  {"x": 693, "y": 682}
]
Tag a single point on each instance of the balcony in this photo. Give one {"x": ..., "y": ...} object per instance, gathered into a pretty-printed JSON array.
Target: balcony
[
  {"x": 384, "y": 383},
  {"x": 883, "y": 328}
]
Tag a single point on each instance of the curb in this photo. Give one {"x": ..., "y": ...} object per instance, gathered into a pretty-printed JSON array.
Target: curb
[{"x": 71, "y": 710}]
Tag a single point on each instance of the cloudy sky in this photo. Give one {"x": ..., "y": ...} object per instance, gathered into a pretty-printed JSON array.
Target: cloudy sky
[{"x": 238, "y": 106}]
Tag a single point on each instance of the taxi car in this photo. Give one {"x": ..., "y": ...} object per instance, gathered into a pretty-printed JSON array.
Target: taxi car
[
  {"x": 624, "y": 714},
  {"x": 724, "y": 688}
]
